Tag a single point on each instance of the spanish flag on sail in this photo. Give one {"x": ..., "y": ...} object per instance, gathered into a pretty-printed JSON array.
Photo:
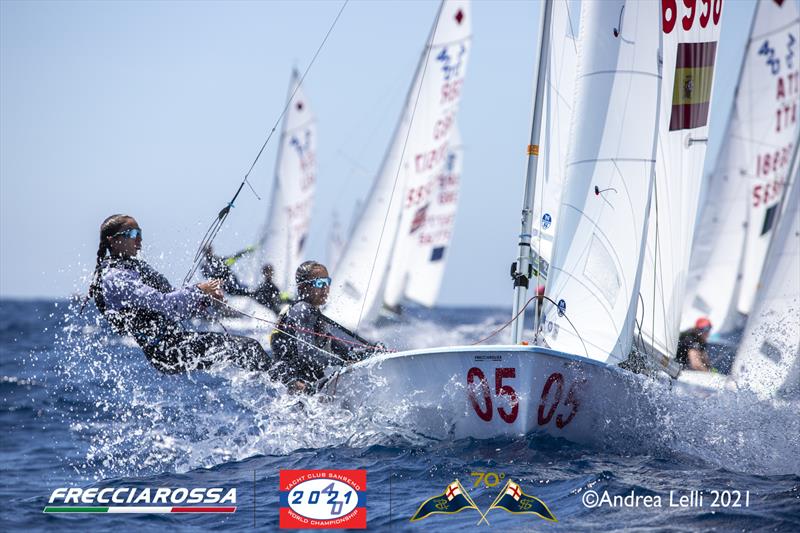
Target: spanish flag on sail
[
  {"x": 513, "y": 500},
  {"x": 691, "y": 91},
  {"x": 453, "y": 500}
]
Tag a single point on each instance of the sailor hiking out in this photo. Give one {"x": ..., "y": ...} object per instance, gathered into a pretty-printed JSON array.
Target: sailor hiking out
[
  {"x": 139, "y": 301},
  {"x": 306, "y": 342}
]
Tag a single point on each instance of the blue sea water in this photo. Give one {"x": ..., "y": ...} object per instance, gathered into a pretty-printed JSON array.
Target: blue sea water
[{"x": 83, "y": 408}]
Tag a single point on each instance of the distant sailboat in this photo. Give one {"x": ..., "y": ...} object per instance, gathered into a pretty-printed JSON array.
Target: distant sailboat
[
  {"x": 383, "y": 239},
  {"x": 768, "y": 360},
  {"x": 751, "y": 173},
  {"x": 283, "y": 239},
  {"x": 419, "y": 278}
]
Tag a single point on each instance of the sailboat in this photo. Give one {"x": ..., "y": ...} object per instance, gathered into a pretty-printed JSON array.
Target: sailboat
[
  {"x": 418, "y": 279},
  {"x": 385, "y": 245},
  {"x": 746, "y": 193},
  {"x": 750, "y": 176},
  {"x": 566, "y": 382},
  {"x": 283, "y": 239},
  {"x": 768, "y": 359}
]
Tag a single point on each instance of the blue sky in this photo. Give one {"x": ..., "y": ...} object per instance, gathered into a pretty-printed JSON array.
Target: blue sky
[{"x": 157, "y": 109}]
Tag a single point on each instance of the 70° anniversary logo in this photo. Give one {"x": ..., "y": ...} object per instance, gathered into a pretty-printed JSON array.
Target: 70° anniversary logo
[{"x": 141, "y": 500}]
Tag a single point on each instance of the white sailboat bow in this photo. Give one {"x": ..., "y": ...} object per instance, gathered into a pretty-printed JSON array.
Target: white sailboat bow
[
  {"x": 397, "y": 205},
  {"x": 689, "y": 58},
  {"x": 597, "y": 259},
  {"x": 746, "y": 186},
  {"x": 284, "y": 237}
]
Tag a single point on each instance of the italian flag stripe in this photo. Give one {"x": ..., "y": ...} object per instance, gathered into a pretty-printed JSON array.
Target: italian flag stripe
[{"x": 139, "y": 509}]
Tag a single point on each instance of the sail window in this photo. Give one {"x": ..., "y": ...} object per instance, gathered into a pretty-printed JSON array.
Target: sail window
[
  {"x": 769, "y": 219},
  {"x": 601, "y": 271}
]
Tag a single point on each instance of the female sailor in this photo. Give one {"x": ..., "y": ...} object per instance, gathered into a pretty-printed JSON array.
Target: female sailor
[
  {"x": 306, "y": 342},
  {"x": 139, "y": 301}
]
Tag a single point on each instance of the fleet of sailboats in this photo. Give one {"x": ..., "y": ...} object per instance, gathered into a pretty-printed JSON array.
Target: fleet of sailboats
[{"x": 610, "y": 213}]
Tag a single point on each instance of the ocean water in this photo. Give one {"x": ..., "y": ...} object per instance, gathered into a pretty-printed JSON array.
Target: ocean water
[{"x": 83, "y": 408}]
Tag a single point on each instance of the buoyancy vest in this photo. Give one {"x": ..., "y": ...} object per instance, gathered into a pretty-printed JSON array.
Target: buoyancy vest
[{"x": 145, "y": 325}]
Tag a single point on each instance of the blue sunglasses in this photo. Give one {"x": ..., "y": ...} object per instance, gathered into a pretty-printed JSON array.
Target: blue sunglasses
[
  {"x": 318, "y": 283},
  {"x": 129, "y": 233}
]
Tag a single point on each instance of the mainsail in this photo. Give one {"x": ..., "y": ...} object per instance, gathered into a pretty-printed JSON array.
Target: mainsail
[
  {"x": 397, "y": 203},
  {"x": 746, "y": 186},
  {"x": 768, "y": 360},
  {"x": 425, "y": 268},
  {"x": 597, "y": 258},
  {"x": 284, "y": 237},
  {"x": 689, "y": 54}
]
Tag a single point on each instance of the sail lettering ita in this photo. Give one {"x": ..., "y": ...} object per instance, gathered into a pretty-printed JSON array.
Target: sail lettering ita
[
  {"x": 425, "y": 267},
  {"x": 398, "y": 203},
  {"x": 689, "y": 54},
  {"x": 751, "y": 173},
  {"x": 283, "y": 239},
  {"x": 597, "y": 259}
]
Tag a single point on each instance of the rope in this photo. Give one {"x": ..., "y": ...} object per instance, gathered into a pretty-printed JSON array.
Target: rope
[
  {"x": 276, "y": 325},
  {"x": 504, "y": 326},
  {"x": 216, "y": 225},
  {"x": 586, "y": 351}
]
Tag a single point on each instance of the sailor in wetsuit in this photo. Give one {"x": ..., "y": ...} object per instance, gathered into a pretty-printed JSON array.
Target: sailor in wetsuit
[
  {"x": 139, "y": 301},
  {"x": 304, "y": 339},
  {"x": 267, "y": 293},
  {"x": 692, "y": 347},
  {"x": 216, "y": 267}
]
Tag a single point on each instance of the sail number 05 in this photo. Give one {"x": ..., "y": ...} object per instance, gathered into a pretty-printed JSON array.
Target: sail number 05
[{"x": 480, "y": 397}]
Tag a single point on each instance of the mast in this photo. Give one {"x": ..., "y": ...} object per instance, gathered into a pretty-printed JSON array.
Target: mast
[{"x": 523, "y": 268}]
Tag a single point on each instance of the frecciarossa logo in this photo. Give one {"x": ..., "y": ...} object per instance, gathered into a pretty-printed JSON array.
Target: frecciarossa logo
[{"x": 323, "y": 499}]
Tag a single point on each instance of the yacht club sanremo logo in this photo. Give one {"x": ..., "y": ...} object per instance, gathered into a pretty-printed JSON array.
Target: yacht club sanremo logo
[{"x": 511, "y": 499}]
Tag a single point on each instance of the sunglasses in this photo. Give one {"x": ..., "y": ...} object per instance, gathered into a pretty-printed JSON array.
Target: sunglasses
[
  {"x": 318, "y": 283},
  {"x": 129, "y": 233}
]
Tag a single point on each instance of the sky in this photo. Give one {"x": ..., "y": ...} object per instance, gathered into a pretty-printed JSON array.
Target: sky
[{"x": 157, "y": 109}]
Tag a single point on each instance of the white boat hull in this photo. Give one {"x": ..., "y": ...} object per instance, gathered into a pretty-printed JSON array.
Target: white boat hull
[{"x": 487, "y": 391}]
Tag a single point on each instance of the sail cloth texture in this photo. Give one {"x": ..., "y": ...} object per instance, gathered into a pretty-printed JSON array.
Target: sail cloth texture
[
  {"x": 747, "y": 183},
  {"x": 598, "y": 253},
  {"x": 768, "y": 359},
  {"x": 398, "y": 201},
  {"x": 426, "y": 264},
  {"x": 689, "y": 54},
  {"x": 559, "y": 96},
  {"x": 284, "y": 237}
]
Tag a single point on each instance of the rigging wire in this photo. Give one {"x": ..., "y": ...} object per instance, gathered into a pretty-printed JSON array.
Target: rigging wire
[
  {"x": 275, "y": 326},
  {"x": 216, "y": 224}
]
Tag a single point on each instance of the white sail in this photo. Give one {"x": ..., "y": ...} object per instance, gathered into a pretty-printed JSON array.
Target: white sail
[
  {"x": 768, "y": 360},
  {"x": 597, "y": 258},
  {"x": 284, "y": 237},
  {"x": 425, "y": 269},
  {"x": 689, "y": 57},
  {"x": 416, "y": 154},
  {"x": 558, "y": 100},
  {"x": 333, "y": 252},
  {"x": 746, "y": 186}
]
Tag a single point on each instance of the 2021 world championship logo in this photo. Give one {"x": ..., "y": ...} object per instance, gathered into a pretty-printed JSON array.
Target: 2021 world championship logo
[{"x": 323, "y": 499}]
